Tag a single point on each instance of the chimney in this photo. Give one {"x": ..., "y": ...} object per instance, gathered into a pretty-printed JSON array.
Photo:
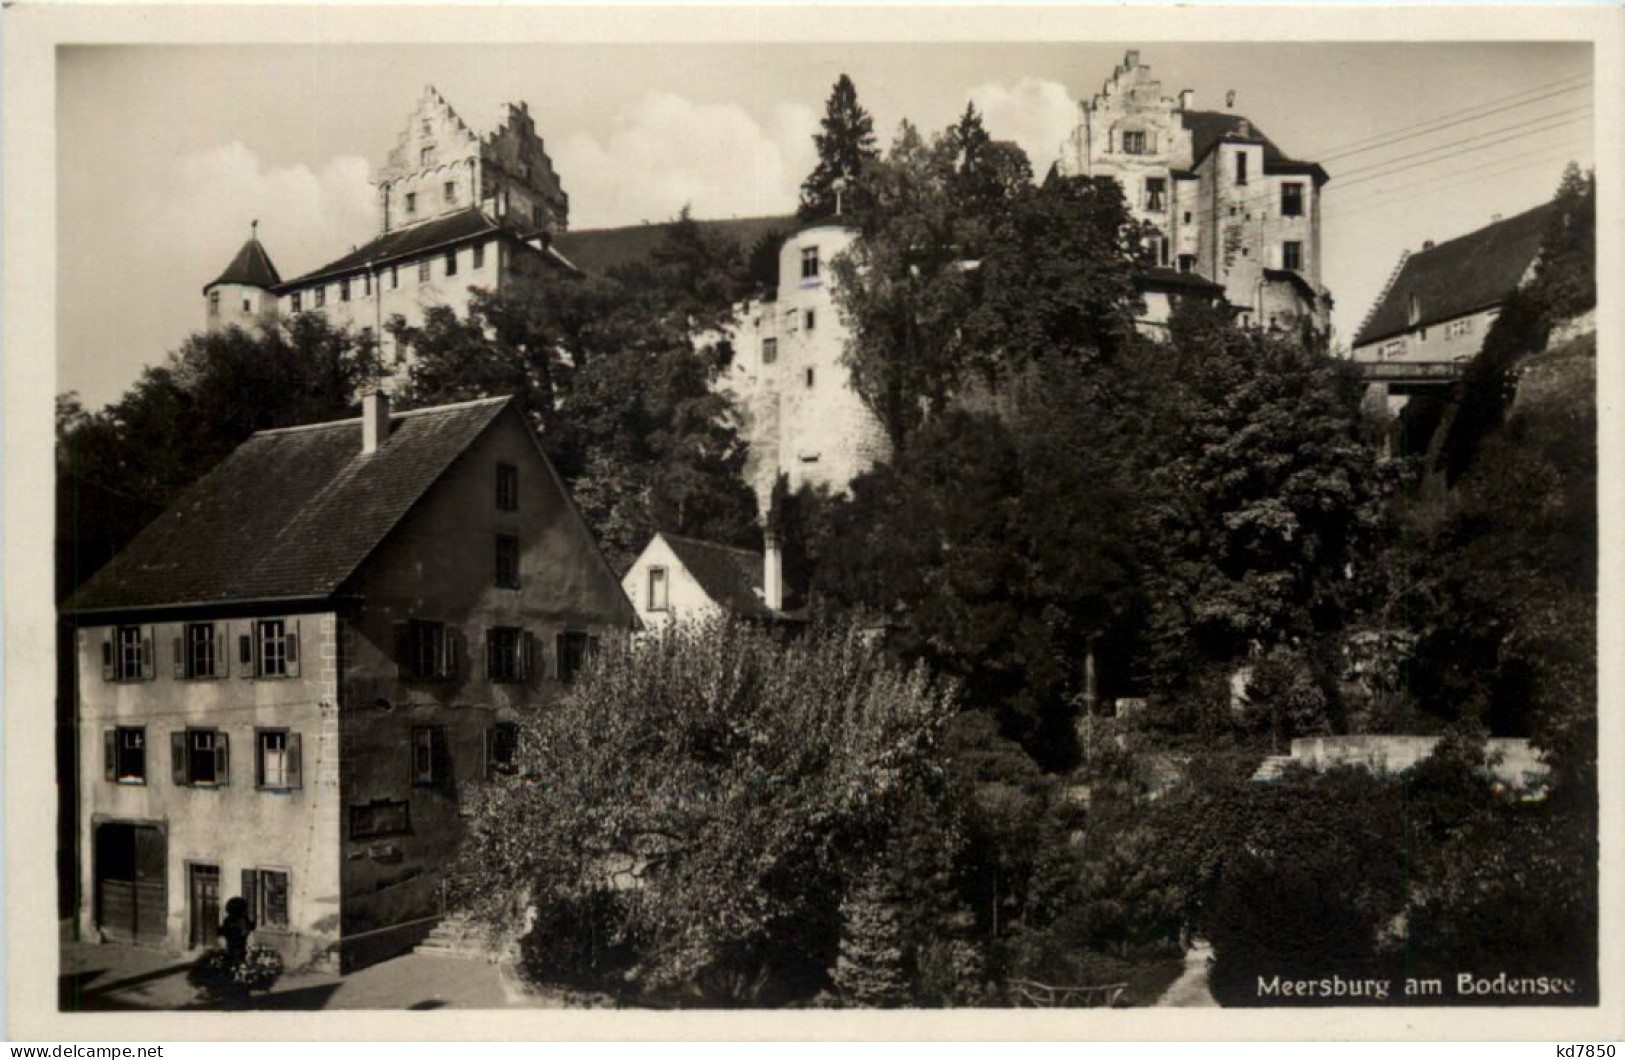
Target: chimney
[
  {"x": 374, "y": 421},
  {"x": 1427, "y": 244},
  {"x": 1187, "y": 98},
  {"x": 1494, "y": 218},
  {"x": 772, "y": 572}
]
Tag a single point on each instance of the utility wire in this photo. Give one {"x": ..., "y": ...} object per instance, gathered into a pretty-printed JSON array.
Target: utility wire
[
  {"x": 1352, "y": 147},
  {"x": 1435, "y": 161},
  {"x": 1543, "y": 120},
  {"x": 1374, "y": 202},
  {"x": 1566, "y": 146}
]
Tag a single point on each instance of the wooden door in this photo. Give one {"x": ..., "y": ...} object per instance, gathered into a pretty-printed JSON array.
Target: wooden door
[
  {"x": 131, "y": 874},
  {"x": 203, "y": 901}
]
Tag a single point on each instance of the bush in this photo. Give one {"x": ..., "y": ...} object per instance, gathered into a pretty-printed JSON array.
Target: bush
[{"x": 218, "y": 973}]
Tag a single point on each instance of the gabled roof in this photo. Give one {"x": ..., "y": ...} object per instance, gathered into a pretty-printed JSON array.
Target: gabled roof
[
  {"x": 1209, "y": 128},
  {"x": 602, "y": 250},
  {"x": 250, "y": 268},
  {"x": 1162, "y": 278},
  {"x": 289, "y": 515},
  {"x": 1460, "y": 276},
  {"x": 730, "y": 576},
  {"x": 457, "y": 228}
]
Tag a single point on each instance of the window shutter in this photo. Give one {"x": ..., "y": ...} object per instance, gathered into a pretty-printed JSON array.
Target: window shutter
[
  {"x": 180, "y": 658},
  {"x": 110, "y": 753},
  {"x": 149, "y": 668},
  {"x": 295, "y": 762},
  {"x": 558, "y": 657},
  {"x": 177, "y": 754},
  {"x": 251, "y": 892},
  {"x": 245, "y": 652},
  {"x": 108, "y": 673},
  {"x": 527, "y": 657},
  {"x": 259, "y": 759},
  {"x": 222, "y": 642},
  {"x": 222, "y": 758},
  {"x": 448, "y": 651},
  {"x": 403, "y": 648},
  {"x": 440, "y": 755},
  {"x": 291, "y": 631},
  {"x": 490, "y": 752}
]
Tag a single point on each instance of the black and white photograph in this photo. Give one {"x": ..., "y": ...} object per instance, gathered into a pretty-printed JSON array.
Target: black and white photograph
[{"x": 1093, "y": 520}]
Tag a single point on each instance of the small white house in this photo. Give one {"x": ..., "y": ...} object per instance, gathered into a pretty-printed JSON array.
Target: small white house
[{"x": 680, "y": 578}]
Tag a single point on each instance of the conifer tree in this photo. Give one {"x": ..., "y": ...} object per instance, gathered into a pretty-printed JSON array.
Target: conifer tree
[
  {"x": 845, "y": 146},
  {"x": 869, "y": 972}
]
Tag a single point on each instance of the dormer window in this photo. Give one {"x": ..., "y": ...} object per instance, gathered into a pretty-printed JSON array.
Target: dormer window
[
  {"x": 1414, "y": 311},
  {"x": 809, "y": 263}
]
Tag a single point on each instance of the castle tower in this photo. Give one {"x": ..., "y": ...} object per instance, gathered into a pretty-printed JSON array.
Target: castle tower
[{"x": 241, "y": 295}]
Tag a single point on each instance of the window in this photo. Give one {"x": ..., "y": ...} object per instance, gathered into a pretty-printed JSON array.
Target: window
[
  {"x": 507, "y": 568},
  {"x": 248, "y": 307},
  {"x": 1292, "y": 200},
  {"x": 423, "y": 271},
  {"x": 431, "y": 755},
  {"x": 200, "y": 651},
  {"x": 1156, "y": 190},
  {"x": 1187, "y": 263},
  {"x": 214, "y": 303},
  {"x": 201, "y": 757},
  {"x": 366, "y": 334},
  {"x": 809, "y": 263},
  {"x": 538, "y": 216},
  {"x": 276, "y": 759},
  {"x": 125, "y": 758},
  {"x": 1458, "y": 328},
  {"x": 425, "y": 156},
  {"x": 810, "y": 319},
  {"x": 127, "y": 655},
  {"x": 298, "y": 302},
  {"x": 1187, "y": 217},
  {"x": 1292, "y": 255},
  {"x": 1422, "y": 334},
  {"x": 344, "y": 290},
  {"x": 321, "y": 296},
  {"x": 501, "y": 749},
  {"x": 366, "y": 284},
  {"x": 394, "y": 277},
  {"x": 450, "y": 190},
  {"x": 810, "y": 378},
  {"x": 479, "y": 255},
  {"x": 575, "y": 651},
  {"x": 507, "y": 654},
  {"x": 1134, "y": 142},
  {"x": 658, "y": 597},
  {"x": 266, "y": 891},
  {"x": 428, "y": 130},
  {"x": 270, "y": 650},
  {"x": 1241, "y": 167},
  {"x": 792, "y": 319},
  {"x": 425, "y": 651},
  {"x": 451, "y": 263},
  {"x": 411, "y": 202},
  {"x": 770, "y": 350},
  {"x": 1391, "y": 349},
  {"x": 507, "y": 487},
  {"x": 380, "y": 818}
]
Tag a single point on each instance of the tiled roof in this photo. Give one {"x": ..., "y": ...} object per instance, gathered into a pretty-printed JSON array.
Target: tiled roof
[
  {"x": 251, "y": 268},
  {"x": 601, "y": 250},
  {"x": 730, "y": 576},
  {"x": 290, "y": 514},
  {"x": 1209, "y": 128},
  {"x": 1161, "y": 277},
  {"x": 405, "y": 242},
  {"x": 1457, "y": 277}
]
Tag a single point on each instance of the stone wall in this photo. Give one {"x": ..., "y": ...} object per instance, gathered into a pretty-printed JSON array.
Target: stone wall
[{"x": 1519, "y": 766}]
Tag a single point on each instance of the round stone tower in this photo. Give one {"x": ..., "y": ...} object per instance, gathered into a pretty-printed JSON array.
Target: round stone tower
[{"x": 243, "y": 294}]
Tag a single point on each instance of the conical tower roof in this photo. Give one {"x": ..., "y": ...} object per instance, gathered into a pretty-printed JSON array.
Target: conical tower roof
[{"x": 250, "y": 268}]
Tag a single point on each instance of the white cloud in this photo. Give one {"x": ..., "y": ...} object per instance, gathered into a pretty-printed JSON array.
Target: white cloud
[
  {"x": 1038, "y": 115},
  {"x": 668, "y": 151}
]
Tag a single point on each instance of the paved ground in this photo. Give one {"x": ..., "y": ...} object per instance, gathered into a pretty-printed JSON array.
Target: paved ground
[
  {"x": 102, "y": 978},
  {"x": 1190, "y": 990}
]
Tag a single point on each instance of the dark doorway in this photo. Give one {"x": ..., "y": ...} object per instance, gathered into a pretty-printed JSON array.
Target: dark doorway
[
  {"x": 131, "y": 870},
  {"x": 203, "y": 903}
]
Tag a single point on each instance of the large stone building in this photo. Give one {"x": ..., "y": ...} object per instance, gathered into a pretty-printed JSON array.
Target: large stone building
[
  {"x": 1226, "y": 204},
  {"x": 290, "y": 683}
]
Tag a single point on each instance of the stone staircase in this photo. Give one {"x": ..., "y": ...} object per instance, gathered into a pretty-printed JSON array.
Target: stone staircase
[
  {"x": 1272, "y": 768},
  {"x": 457, "y": 936}
]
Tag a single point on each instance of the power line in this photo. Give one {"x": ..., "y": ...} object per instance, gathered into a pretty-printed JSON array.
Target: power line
[
  {"x": 1565, "y": 146},
  {"x": 1443, "y": 121},
  {"x": 1372, "y": 203},
  {"x": 1544, "y": 119},
  {"x": 1481, "y": 147}
]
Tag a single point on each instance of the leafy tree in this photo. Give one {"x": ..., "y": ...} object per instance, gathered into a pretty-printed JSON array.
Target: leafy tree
[
  {"x": 727, "y": 788},
  {"x": 846, "y": 146}
]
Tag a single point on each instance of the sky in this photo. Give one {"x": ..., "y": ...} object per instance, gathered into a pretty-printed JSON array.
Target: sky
[{"x": 165, "y": 154}]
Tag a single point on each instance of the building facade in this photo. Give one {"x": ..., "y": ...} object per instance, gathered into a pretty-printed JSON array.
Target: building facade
[
  {"x": 682, "y": 579},
  {"x": 292, "y": 682},
  {"x": 1222, "y": 201},
  {"x": 800, "y": 416}
]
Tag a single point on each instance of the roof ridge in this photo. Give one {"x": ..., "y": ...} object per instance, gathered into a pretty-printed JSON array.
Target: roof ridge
[
  {"x": 708, "y": 544},
  {"x": 1481, "y": 229},
  {"x": 394, "y": 415}
]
